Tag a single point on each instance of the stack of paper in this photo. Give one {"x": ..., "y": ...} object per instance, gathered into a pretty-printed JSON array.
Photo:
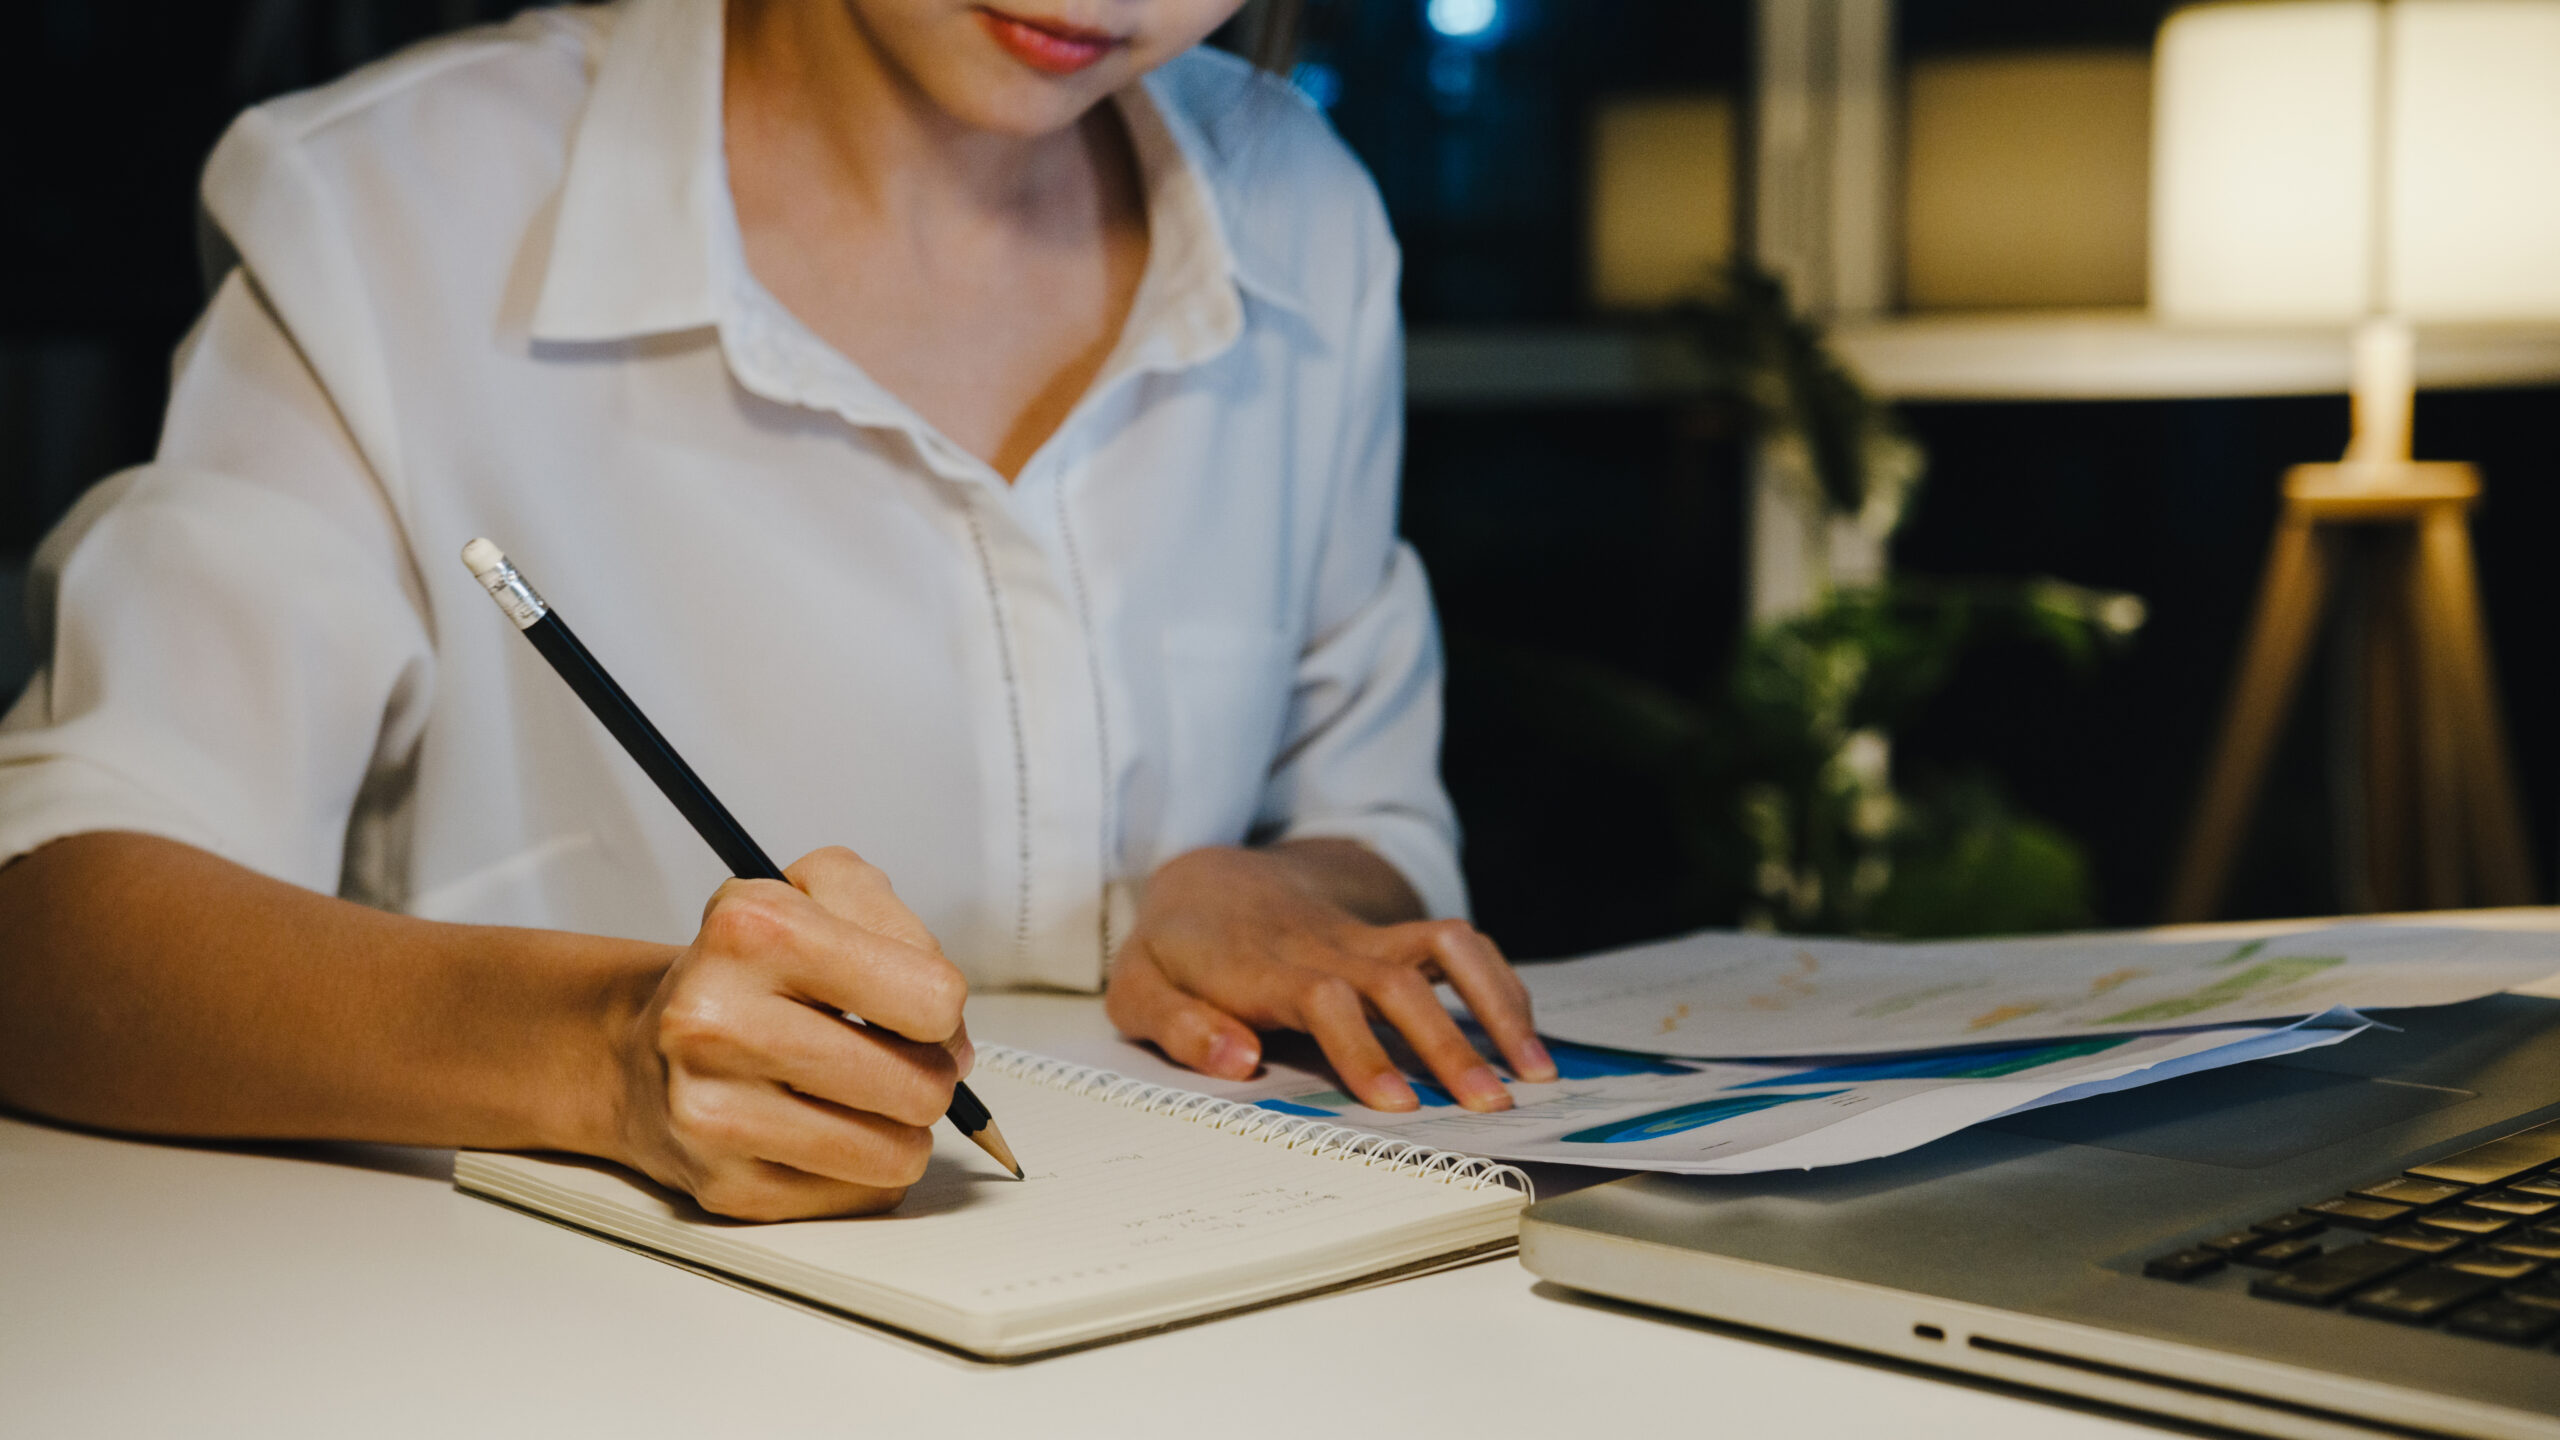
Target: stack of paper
[{"x": 1724, "y": 1053}]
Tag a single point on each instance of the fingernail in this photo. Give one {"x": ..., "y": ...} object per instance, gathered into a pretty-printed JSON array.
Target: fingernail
[
  {"x": 1389, "y": 1092},
  {"x": 1536, "y": 1063},
  {"x": 1481, "y": 1089},
  {"x": 1233, "y": 1058}
]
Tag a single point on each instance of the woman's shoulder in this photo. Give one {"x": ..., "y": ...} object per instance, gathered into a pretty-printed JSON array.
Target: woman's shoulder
[
  {"x": 460, "y": 113},
  {"x": 1283, "y": 179},
  {"x": 511, "y": 66},
  {"x": 1252, "y": 124}
]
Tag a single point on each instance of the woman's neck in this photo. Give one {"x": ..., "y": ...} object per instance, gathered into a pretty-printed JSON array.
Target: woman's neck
[
  {"x": 811, "y": 76},
  {"x": 981, "y": 276}
]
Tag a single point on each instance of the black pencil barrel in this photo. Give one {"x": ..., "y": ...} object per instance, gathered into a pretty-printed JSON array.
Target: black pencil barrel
[{"x": 559, "y": 644}]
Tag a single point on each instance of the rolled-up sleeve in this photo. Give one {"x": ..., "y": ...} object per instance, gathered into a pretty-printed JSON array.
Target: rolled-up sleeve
[
  {"x": 230, "y": 647},
  {"x": 1361, "y": 755}
]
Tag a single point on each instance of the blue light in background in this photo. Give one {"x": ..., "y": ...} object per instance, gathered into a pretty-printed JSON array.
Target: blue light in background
[
  {"x": 1453, "y": 76},
  {"x": 1462, "y": 19},
  {"x": 1319, "y": 82}
]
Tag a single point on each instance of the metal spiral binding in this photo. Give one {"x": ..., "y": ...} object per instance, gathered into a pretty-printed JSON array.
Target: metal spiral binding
[{"x": 1243, "y": 1117}]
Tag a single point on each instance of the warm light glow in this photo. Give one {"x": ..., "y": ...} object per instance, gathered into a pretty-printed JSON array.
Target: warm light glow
[
  {"x": 2475, "y": 230},
  {"x": 2026, "y": 177},
  {"x": 1661, "y": 197},
  {"x": 2264, "y": 163}
]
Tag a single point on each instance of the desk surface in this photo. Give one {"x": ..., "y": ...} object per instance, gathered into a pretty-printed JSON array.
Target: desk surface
[{"x": 151, "y": 1289}]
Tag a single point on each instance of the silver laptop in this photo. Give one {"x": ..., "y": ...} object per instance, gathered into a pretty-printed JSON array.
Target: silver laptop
[{"x": 2357, "y": 1241}]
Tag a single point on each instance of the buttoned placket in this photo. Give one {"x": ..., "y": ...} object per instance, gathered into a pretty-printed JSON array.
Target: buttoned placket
[
  {"x": 1049, "y": 765},
  {"x": 1048, "y": 775}
]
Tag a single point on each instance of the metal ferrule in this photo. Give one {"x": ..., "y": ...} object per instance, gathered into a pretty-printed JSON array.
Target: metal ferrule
[{"x": 514, "y": 596}]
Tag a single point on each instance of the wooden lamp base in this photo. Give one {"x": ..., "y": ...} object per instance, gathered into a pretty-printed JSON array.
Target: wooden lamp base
[{"x": 2441, "y": 825}]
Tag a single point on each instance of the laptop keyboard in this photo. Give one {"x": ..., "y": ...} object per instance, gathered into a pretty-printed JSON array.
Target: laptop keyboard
[{"x": 2466, "y": 1243}]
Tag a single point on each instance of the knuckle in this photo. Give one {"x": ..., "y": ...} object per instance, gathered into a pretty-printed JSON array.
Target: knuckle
[
  {"x": 736, "y": 1195},
  {"x": 720, "y": 1194},
  {"x": 692, "y": 1026},
  {"x": 1399, "y": 983},
  {"x": 702, "y": 1117},
  {"x": 746, "y": 921},
  {"x": 940, "y": 995},
  {"x": 727, "y": 889},
  {"x": 836, "y": 861},
  {"x": 1457, "y": 937},
  {"x": 1329, "y": 993}
]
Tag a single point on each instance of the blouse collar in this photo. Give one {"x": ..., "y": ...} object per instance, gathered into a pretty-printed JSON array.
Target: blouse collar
[{"x": 645, "y": 238}]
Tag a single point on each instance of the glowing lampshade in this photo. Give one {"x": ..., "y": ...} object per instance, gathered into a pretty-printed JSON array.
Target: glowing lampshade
[{"x": 2321, "y": 161}]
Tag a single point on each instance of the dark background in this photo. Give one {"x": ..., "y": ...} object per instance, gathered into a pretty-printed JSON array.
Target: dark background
[{"x": 1610, "y": 532}]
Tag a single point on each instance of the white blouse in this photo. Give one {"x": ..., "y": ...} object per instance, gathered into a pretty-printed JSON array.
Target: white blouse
[{"x": 494, "y": 286}]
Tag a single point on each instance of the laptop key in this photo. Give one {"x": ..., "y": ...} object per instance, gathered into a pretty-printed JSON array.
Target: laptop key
[
  {"x": 2515, "y": 1202},
  {"x": 2411, "y": 1190},
  {"x": 2358, "y": 1213},
  {"x": 2464, "y": 1220},
  {"x": 2541, "y": 1243},
  {"x": 2277, "y": 1254},
  {"x": 2497, "y": 1265},
  {"x": 2421, "y": 1296},
  {"x": 2182, "y": 1264},
  {"x": 2545, "y": 1183},
  {"x": 2505, "y": 1320},
  {"x": 2498, "y": 1161},
  {"x": 2425, "y": 1242},
  {"x": 2543, "y": 1292},
  {"x": 2233, "y": 1245},
  {"x": 2298, "y": 1222},
  {"x": 2324, "y": 1280}
]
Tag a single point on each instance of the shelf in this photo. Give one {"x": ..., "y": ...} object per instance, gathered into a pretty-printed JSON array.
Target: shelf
[{"x": 2077, "y": 355}]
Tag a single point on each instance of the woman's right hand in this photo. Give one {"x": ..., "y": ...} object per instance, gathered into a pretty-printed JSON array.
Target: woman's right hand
[{"x": 741, "y": 1083}]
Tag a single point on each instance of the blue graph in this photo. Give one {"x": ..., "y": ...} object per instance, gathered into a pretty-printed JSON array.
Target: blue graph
[
  {"x": 1680, "y": 1118},
  {"x": 1962, "y": 1065}
]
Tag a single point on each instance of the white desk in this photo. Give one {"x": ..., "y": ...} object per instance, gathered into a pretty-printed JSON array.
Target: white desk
[{"x": 337, "y": 1291}]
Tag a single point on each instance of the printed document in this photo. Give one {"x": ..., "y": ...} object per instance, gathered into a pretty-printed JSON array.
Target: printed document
[
  {"x": 1645, "y": 1112},
  {"x": 1724, "y": 995}
]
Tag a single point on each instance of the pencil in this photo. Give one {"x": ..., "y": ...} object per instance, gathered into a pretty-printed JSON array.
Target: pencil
[{"x": 710, "y": 819}]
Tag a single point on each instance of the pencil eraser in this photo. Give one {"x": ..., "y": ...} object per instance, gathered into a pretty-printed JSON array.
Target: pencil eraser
[{"x": 483, "y": 556}]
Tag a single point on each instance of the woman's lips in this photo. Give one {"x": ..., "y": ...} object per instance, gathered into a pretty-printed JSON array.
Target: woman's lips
[{"x": 1050, "y": 46}]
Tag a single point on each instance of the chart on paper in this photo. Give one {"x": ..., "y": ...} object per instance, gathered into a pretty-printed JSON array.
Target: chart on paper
[
  {"x": 1727, "y": 995},
  {"x": 1642, "y": 1112}
]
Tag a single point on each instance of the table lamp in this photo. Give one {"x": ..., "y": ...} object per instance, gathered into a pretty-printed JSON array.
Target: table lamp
[{"x": 2370, "y": 165}]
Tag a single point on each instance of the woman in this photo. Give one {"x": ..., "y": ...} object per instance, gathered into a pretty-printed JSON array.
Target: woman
[{"x": 970, "y": 433}]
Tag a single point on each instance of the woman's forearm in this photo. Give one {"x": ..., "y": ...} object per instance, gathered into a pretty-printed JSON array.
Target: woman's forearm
[{"x": 146, "y": 985}]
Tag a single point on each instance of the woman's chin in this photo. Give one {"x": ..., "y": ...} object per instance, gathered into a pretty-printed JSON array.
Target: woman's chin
[{"x": 1024, "y": 105}]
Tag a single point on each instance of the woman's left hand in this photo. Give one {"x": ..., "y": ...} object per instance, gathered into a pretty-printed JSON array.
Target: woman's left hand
[{"x": 1232, "y": 941}]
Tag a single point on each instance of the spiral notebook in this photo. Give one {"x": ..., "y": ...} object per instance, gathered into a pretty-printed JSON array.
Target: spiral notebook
[{"x": 1145, "y": 1206}]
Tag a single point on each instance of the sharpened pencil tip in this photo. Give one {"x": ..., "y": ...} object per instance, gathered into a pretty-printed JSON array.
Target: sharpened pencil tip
[{"x": 991, "y": 1140}]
